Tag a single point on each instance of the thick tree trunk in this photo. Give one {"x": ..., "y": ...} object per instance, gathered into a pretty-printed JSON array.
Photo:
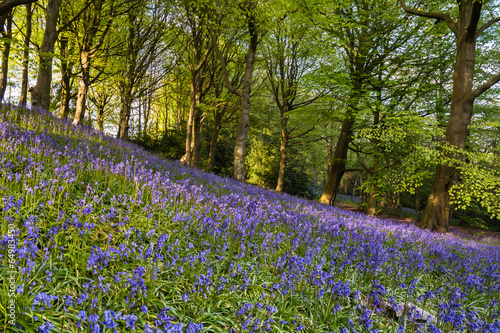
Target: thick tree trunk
[
  {"x": 438, "y": 210},
  {"x": 244, "y": 122},
  {"x": 23, "y": 100},
  {"x": 338, "y": 162},
  {"x": 82, "y": 88},
  {"x": 5, "y": 53},
  {"x": 125, "y": 106},
  {"x": 40, "y": 94},
  {"x": 283, "y": 146}
]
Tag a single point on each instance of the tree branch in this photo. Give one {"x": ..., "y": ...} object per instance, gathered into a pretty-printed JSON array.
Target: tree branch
[
  {"x": 439, "y": 16},
  {"x": 482, "y": 88},
  {"x": 222, "y": 61},
  {"x": 7, "y": 5},
  {"x": 302, "y": 134},
  {"x": 295, "y": 144},
  {"x": 487, "y": 25},
  {"x": 67, "y": 24}
]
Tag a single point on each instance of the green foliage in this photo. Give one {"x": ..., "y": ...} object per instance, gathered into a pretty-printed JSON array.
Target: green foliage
[
  {"x": 263, "y": 168},
  {"x": 480, "y": 185},
  {"x": 263, "y": 160},
  {"x": 168, "y": 145}
]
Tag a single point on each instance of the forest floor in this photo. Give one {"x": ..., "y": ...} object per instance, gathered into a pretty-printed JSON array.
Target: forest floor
[{"x": 482, "y": 235}]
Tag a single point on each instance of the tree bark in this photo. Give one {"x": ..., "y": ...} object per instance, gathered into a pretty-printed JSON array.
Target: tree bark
[
  {"x": 40, "y": 94},
  {"x": 353, "y": 193},
  {"x": 215, "y": 137},
  {"x": 100, "y": 118},
  {"x": 189, "y": 129},
  {"x": 197, "y": 139},
  {"x": 283, "y": 146},
  {"x": 338, "y": 162},
  {"x": 83, "y": 87},
  {"x": 5, "y": 52},
  {"x": 66, "y": 68},
  {"x": 372, "y": 201},
  {"x": 23, "y": 100},
  {"x": 125, "y": 108}
]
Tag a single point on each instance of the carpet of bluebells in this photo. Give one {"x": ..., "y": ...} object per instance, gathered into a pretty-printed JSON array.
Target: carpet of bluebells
[{"x": 110, "y": 238}]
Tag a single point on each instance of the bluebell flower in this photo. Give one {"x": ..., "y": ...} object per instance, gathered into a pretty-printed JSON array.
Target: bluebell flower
[
  {"x": 46, "y": 327},
  {"x": 130, "y": 321}
]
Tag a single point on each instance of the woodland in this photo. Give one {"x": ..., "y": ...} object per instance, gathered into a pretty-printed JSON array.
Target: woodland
[
  {"x": 394, "y": 103},
  {"x": 182, "y": 166}
]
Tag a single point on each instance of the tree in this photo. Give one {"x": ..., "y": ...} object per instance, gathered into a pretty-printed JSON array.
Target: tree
[
  {"x": 23, "y": 99},
  {"x": 256, "y": 33},
  {"x": 95, "y": 24},
  {"x": 220, "y": 102},
  {"x": 6, "y": 30},
  {"x": 40, "y": 93},
  {"x": 289, "y": 60},
  {"x": 146, "y": 40},
  {"x": 365, "y": 29},
  {"x": 199, "y": 45},
  {"x": 467, "y": 29}
]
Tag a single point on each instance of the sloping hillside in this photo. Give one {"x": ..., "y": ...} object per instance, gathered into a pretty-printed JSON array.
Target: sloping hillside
[{"x": 99, "y": 235}]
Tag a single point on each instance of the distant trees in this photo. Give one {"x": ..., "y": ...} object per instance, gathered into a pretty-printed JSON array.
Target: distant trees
[
  {"x": 93, "y": 26},
  {"x": 147, "y": 36},
  {"x": 290, "y": 58}
]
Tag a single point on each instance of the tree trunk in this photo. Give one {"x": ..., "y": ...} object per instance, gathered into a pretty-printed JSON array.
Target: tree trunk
[
  {"x": 197, "y": 126},
  {"x": 23, "y": 100},
  {"x": 83, "y": 87},
  {"x": 329, "y": 147},
  {"x": 372, "y": 201},
  {"x": 438, "y": 210},
  {"x": 353, "y": 193},
  {"x": 100, "y": 118},
  {"x": 197, "y": 140},
  {"x": 40, "y": 94},
  {"x": 215, "y": 137},
  {"x": 191, "y": 119},
  {"x": 5, "y": 52},
  {"x": 244, "y": 122},
  {"x": 283, "y": 145},
  {"x": 338, "y": 162},
  {"x": 125, "y": 106},
  {"x": 66, "y": 68}
]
